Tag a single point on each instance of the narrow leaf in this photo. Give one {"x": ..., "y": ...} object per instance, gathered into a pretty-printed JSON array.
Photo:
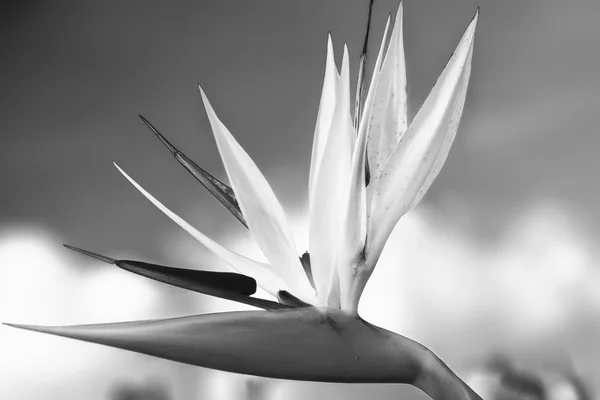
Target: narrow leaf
[
  {"x": 225, "y": 285},
  {"x": 263, "y": 273},
  {"x": 221, "y": 191},
  {"x": 264, "y": 215}
]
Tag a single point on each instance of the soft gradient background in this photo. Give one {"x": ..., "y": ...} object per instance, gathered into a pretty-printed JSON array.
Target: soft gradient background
[{"x": 499, "y": 257}]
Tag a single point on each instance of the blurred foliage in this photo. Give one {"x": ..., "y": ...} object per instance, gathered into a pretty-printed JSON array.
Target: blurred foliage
[
  {"x": 258, "y": 389},
  {"x": 130, "y": 391},
  {"x": 512, "y": 381}
]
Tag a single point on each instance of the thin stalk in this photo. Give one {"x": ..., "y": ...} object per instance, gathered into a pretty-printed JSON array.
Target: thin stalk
[
  {"x": 360, "y": 86},
  {"x": 358, "y": 102}
]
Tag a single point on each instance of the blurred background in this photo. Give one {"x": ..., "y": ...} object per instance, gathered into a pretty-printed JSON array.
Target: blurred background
[{"x": 496, "y": 270}]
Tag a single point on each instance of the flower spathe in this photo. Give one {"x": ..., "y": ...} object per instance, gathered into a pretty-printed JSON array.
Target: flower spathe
[
  {"x": 349, "y": 220},
  {"x": 313, "y": 332}
]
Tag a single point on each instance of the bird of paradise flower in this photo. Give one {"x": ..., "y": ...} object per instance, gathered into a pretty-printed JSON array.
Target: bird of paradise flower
[{"x": 368, "y": 168}]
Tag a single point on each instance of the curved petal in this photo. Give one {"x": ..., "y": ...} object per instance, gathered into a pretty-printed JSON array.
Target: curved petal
[
  {"x": 263, "y": 273},
  {"x": 371, "y": 94},
  {"x": 388, "y": 115},
  {"x": 423, "y": 149},
  {"x": 327, "y": 205},
  {"x": 263, "y": 213},
  {"x": 324, "y": 117},
  {"x": 354, "y": 226}
]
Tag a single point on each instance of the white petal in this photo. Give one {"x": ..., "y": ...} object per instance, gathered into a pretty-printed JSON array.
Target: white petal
[
  {"x": 354, "y": 227},
  {"x": 263, "y": 273},
  {"x": 324, "y": 117},
  {"x": 261, "y": 209},
  {"x": 423, "y": 149},
  {"x": 343, "y": 98},
  {"x": 327, "y": 206},
  {"x": 371, "y": 94},
  {"x": 354, "y": 221},
  {"x": 388, "y": 116}
]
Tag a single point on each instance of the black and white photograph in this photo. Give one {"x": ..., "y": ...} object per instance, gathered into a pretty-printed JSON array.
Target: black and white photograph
[{"x": 301, "y": 199}]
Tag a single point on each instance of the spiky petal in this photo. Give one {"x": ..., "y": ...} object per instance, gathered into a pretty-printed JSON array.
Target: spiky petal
[
  {"x": 354, "y": 222},
  {"x": 263, "y": 273},
  {"x": 421, "y": 152},
  {"x": 388, "y": 115},
  {"x": 324, "y": 117},
  {"x": 327, "y": 203},
  {"x": 353, "y": 233},
  {"x": 264, "y": 215}
]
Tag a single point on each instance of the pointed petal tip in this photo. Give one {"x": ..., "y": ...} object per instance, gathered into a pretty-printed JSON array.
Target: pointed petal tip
[
  {"x": 207, "y": 106},
  {"x": 399, "y": 12},
  {"x": 34, "y": 328},
  {"x": 467, "y": 39},
  {"x": 119, "y": 168},
  {"x": 474, "y": 20},
  {"x": 329, "y": 44},
  {"x": 51, "y": 330},
  {"x": 97, "y": 256},
  {"x": 130, "y": 179},
  {"x": 345, "y": 69},
  {"x": 476, "y": 16},
  {"x": 201, "y": 90},
  {"x": 160, "y": 137}
]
